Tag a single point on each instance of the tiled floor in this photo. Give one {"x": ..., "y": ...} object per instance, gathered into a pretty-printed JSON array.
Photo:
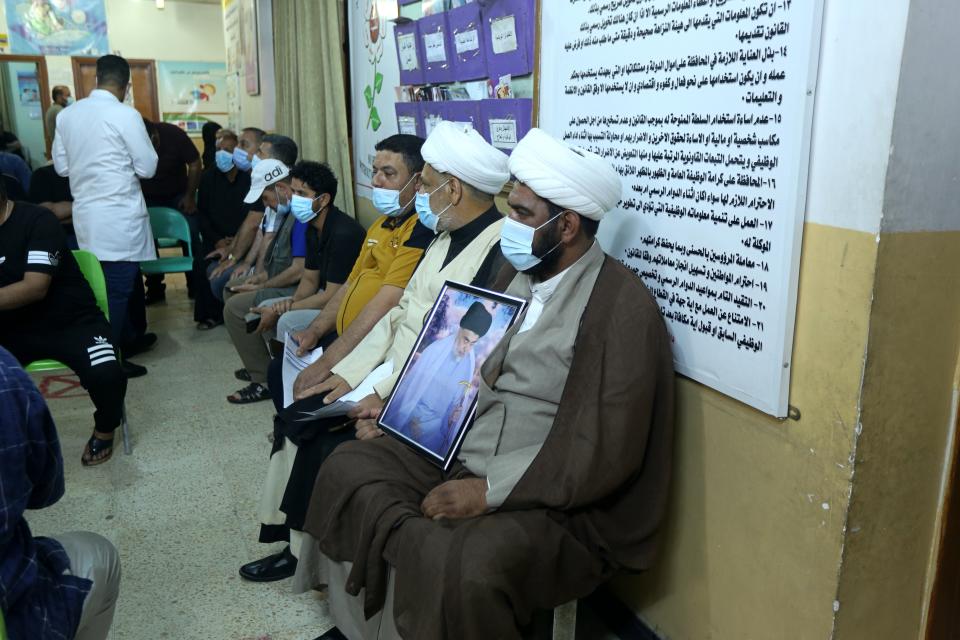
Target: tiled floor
[{"x": 181, "y": 509}]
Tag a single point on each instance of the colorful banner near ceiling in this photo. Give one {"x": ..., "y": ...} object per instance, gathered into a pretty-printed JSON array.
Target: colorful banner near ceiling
[
  {"x": 374, "y": 76},
  {"x": 192, "y": 93},
  {"x": 57, "y": 27}
]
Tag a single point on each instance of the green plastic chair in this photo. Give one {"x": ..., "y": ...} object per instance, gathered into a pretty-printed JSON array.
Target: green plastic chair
[
  {"x": 163, "y": 242},
  {"x": 169, "y": 223},
  {"x": 93, "y": 272},
  {"x": 3, "y": 629}
]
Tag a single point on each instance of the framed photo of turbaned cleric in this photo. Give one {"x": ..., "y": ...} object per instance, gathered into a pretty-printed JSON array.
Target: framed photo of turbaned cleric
[{"x": 435, "y": 397}]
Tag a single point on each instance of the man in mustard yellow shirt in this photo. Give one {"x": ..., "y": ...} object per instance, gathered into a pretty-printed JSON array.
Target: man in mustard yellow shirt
[{"x": 391, "y": 250}]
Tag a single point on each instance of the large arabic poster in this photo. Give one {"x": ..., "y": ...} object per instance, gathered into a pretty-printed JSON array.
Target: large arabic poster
[
  {"x": 57, "y": 27},
  {"x": 705, "y": 109},
  {"x": 374, "y": 76},
  {"x": 193, "y": 93}
]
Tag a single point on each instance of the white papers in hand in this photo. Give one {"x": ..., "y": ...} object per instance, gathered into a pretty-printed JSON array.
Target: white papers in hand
[
  {"x": 293, "y": 365},
  {"x": 347, "y": 402}
]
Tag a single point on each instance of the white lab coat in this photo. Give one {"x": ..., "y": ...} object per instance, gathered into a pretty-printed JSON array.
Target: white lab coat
[{"x": 102, "y": 145}]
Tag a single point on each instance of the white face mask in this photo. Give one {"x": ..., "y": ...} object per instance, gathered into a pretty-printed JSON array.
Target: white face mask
[{"x": 516, "y": 243}]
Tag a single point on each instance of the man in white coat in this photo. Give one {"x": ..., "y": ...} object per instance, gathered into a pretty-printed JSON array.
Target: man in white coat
[{"x": 102, "y": 145}]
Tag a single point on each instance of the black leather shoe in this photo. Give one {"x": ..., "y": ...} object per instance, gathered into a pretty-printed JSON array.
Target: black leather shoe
[
  {"x": 332, "y": 634},
  {"x": 270, "y": 569},
  {"x": 144, "y": 343},
  {"x": 132, "y": 370}
]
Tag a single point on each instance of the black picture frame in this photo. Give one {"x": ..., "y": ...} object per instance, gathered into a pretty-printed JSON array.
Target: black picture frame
[{"x": 425, "y": 382}]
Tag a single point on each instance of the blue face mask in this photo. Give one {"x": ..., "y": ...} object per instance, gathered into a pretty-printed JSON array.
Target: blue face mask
[
  {"x": 69, "y": 101},
  {"x": 224, "y": 160},
  {"x": 302, "y": 208},
  {"x": 387, "y": 201},
  {"x": 516, "y": 243},
  {"x": 284, "y": 208},
  {"x": 255, "y": 161},
  {"x": 241, "y": 160},
  {"x": 428, "y": 218}
]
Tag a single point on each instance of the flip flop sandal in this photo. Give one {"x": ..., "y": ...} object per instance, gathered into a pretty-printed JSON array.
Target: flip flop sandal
[
  {"x": 96, "y": 447},
  {"x": 243, "y": 375},
  {"x": 253, "y": 392}
]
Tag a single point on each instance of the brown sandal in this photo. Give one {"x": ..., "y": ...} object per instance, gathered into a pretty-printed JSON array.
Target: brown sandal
[{"x": 95, "y": 449}]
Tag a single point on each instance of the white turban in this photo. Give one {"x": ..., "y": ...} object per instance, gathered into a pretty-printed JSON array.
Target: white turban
[
  {"x": 462, "y": 152},
  {"x": 570, "y": 177}
]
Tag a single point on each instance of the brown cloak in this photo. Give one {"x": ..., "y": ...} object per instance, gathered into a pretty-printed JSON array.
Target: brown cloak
[{"x": 589, "y": 504}]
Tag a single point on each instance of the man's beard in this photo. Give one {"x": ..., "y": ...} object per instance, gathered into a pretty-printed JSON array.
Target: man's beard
[{"x": 549, "y": 260}]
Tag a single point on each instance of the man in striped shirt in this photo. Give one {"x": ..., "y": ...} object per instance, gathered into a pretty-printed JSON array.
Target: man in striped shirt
[{"x": 47, "y": 310}]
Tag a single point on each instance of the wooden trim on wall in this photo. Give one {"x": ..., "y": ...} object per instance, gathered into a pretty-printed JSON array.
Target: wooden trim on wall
[
  {"x": 76, "y": 61},
  {"x": 943, "y": 613}
]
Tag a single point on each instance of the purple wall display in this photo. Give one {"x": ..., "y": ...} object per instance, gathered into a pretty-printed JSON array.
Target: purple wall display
[
  {"x": 409, "y": 119},
  {"x": 505, "y": 122},
  {"x": 438, "y": 60},
  {"x": 465, "y": 111},
  {"x": 430, "y": 114},
  {"x": 509, "y": 33},
  {"x": 408, "y": 53},
  {"x": 467, "y": 36}
]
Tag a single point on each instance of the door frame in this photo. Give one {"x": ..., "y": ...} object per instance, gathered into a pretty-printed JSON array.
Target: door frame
[
  {"x": 942, "y": 618},
  {"x": 76, "y": 61},
  {"x": 45, "y": 99}
]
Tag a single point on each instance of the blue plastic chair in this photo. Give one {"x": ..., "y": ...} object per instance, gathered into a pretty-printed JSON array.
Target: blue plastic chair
[
  {"x": 169, "y": 225},
  {"x": 93, "y": 272}
]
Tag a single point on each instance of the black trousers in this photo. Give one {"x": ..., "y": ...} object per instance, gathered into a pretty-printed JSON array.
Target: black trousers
[{"x": 87, "y": 348}]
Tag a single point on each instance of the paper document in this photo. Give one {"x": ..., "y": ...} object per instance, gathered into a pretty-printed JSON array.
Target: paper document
[
  {"x": 293, "y": 365},
  {"x": 342, "y": 406}
]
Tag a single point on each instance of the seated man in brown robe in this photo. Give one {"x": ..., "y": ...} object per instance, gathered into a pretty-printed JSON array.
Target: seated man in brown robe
[{"x": 562, "y": 479}]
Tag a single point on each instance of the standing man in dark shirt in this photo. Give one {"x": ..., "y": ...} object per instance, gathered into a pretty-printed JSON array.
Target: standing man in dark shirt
[
  {"x": 220, "y": 212},
  {"x": 47, "y": 310},
  {"x": 175, "y": 186}
]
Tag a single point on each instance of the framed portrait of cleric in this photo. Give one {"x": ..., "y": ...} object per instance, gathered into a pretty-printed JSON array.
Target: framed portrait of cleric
[{"x": 432, "y": 404}]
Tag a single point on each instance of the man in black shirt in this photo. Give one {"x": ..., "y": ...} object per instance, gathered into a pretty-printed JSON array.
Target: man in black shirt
[
  {"x": 47, "y": 310},
  {"x": 52, "y": 191},
  {"x": 334, "y": 240},
  {"x": 220, "y": 212},
  {"x": 174, "y": 185}
]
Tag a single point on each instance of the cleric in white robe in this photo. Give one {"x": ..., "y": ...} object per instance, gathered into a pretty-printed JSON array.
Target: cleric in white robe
[{"x": 436, "y": 389}]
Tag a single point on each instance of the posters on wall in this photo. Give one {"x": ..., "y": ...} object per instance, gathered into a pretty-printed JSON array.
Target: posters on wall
[
  {"x": 250, "y": 46},
  {"x": 705, "y": 111},
  {"x": 57, "y": 27},
  {"x": 192, "y": 93},
  {"x": 374, "y": 75},
  {"x": 28, "y": 88}
]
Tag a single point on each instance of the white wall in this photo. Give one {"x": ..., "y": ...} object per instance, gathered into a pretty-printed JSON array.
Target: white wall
[
  {"x": 861, "y": 50},
  {"x": 923, "y": 181}
]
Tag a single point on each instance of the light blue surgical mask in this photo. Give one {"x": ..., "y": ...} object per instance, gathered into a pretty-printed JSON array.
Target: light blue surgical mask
[
  {"x": 387, "y": 201},
  {"x": 224, "y": 160},
  {"x": 69, "y": 101},
  {"x": 302, "y": 208},
  {"x": 428, "y": 218},
  {"x": 516, "y": 243},
  {"x": 255, "y": 161},
  {"x": 282, "y": 208},
  {"x": 241, "y": 159}
]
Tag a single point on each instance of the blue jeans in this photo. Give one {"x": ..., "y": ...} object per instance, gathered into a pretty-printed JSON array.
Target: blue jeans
[
  {"x": 128, "y": 313},
  {"x": 217, "y": 284}
]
